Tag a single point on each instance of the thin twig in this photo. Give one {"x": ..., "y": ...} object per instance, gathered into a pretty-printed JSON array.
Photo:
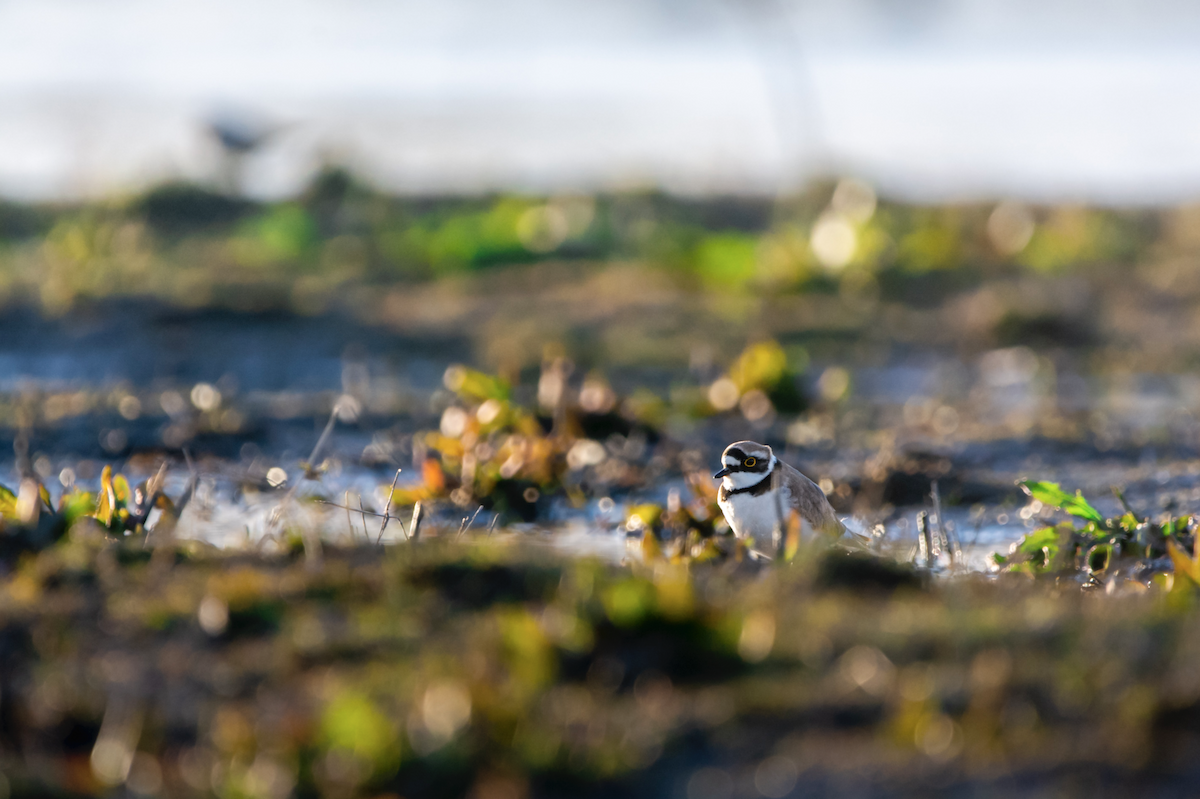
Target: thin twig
[
  {"x": 949, "y": 537},
  {"x": 924, "y": 538},
  {"x": 312, "y": 542},
  {"x": 349, "y": 523},
  {"x": 333, "y": 414},
  {"x": 21, "y": 450},
  {"x": 164, "y": 531},
  {"x": 466, "y": 525},
  {"x": 491, "y": 528},
  {"x": 363, "y": 511},
  {"x": 387, "y": 512},
  {"x": 151, "y": 492},
  {"x": 316, "y": 450},
  {"x": 978, "y": 528},
  {"x": 940, "y": 542},
  {"x": 193, "y": 484},
  {"x": 348, "y": 508}
]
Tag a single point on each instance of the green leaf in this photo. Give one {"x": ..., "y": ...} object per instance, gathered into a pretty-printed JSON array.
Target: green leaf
[
  {"x": 1179, "y": 527},
  {"x": 1185, "y": 565},
  {"x": 649, "y": 517},
  {"x": 77, "y": 504},
  {"x": 1051, "y": 494},
  {"x": 476, "y": 386},
  {"x": 8, "y": 504},
  {"x": 121, "y": 490},
  {"x": 106, "y": 505},
  {"x": 1040, "y": 547},
  {"x": 1042, "y": 550},
  {"x": 1037, "y": 540}
]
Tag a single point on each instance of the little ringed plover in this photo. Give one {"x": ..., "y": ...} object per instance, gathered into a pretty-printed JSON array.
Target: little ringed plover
[{"x": 758, "y": 493}]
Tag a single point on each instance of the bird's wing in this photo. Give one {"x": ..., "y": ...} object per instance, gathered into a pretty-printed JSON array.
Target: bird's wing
[{"x": 810, "y": 502}]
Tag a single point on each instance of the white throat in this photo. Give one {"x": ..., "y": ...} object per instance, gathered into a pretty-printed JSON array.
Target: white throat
[{"x": 738, "y": 480}]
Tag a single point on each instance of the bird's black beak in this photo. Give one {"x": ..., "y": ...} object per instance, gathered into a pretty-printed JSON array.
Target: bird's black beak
[{"x": 722, "y": 473}]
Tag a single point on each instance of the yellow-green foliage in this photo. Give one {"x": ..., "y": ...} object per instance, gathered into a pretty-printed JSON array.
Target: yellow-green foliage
[
  {"x": 112, "y": 506},
  {"x": 1097, "y": 546},
  {"x": 727, "y": 261},
  {"x": 762, "y": 366},
  {"x": 353, "y": 725},
  {"x": 285, "y": 233},
  {"x": 189, "y": 245},
  {"x": 440, "y": 670}
]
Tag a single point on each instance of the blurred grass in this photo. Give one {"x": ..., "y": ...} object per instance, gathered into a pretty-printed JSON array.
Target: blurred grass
[
  {"x": 189, "y": 245},
  {"x": 489, "y": 667}
]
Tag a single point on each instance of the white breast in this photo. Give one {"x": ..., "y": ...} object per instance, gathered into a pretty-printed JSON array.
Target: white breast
[{"x": 755, "y": 518}]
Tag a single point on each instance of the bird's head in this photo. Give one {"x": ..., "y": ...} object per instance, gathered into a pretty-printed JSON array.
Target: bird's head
[{"x": 744, "y": 463}]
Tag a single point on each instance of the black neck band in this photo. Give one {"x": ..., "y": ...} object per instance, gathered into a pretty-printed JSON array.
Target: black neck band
[{"x": 761, "y": 487}]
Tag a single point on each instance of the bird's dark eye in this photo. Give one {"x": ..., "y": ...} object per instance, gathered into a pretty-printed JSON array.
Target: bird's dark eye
[{"x": 749, "y": 463}]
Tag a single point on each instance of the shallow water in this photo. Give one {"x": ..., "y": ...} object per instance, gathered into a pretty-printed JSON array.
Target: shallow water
[
  {"x": 279, "y": 376},
  {"x": 228, "y": 512}
]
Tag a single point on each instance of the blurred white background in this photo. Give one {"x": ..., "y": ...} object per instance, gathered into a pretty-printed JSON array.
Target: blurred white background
[{"x": 929, "y": 99}]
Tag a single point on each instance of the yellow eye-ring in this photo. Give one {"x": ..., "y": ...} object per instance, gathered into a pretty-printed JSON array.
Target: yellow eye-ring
[{"x": 749, "y": 463}]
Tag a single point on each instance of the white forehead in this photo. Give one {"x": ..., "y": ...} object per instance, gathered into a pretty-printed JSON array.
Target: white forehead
[
  {"x": 751, "y": 448},
  {"x": 749, "y": 452}
]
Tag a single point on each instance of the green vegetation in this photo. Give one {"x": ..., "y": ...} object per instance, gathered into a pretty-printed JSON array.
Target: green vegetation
[
  {"x": 493, "y": 450},
  {"x": 443, "y": 669},
  {"x": 1101, "y": 546},
  {"x": 30, "y": 521},
  {"x": 191, "y": 246}
]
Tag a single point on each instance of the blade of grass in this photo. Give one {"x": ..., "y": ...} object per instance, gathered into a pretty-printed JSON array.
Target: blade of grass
[
  {"x": 363, "y": 511},
  {"x": 387, "y": 512}
]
